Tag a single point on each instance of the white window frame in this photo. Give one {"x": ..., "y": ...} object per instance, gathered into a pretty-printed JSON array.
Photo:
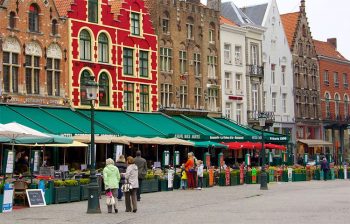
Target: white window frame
[{"x": 227, "y": 53}]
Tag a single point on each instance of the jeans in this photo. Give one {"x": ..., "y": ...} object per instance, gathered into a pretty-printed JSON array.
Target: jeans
[
  {"x": 200, "y": 182},
  {"x": 139, "y": 190},
  {"x": 183, "y": 184},
  {"x": 120, "y": 193}
]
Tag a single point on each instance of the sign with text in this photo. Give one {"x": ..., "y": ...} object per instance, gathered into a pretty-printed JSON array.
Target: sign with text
[
  {"x": 35, "y": 197},
  {"x": 8, "y": 198}
]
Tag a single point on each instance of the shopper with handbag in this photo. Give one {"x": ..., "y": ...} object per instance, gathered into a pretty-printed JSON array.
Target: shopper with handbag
[
  {"x": 111, "y": 178},
  {"x": 131, "y": 185},
  {"x": 189, "y": 167}
]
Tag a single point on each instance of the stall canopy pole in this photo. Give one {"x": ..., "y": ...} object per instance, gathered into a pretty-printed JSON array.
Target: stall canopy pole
[
  {"x": 157, "y": 153},
  {"x": 106, "y": 152},
  {"x": 64, "y": 156}
]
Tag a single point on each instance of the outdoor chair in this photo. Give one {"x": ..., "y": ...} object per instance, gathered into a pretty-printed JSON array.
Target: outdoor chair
[{"x": 20, "y": 188}]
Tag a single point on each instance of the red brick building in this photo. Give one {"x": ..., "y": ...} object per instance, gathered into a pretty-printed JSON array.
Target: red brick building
[
  {"x": 335, "y": 93},
  {"x": 33, "y": 53},
  {"x": 113, "y": 41}
]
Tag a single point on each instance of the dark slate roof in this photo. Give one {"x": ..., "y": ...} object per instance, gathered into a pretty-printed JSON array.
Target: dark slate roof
[
  {"x": 256, "y": 13},
  {"x": 232, "y": 12}
]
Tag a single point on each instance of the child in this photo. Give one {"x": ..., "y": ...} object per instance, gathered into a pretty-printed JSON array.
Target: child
[
  {"x": 200, "y": 174},
  {"x": 183, "y": 177}
]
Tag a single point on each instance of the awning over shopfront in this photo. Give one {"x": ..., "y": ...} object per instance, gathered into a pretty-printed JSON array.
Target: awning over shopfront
[
  {"x": 315, "y": 142},
  {"x": 208, "y": 144},
  {"x": 114, "y": 126}
]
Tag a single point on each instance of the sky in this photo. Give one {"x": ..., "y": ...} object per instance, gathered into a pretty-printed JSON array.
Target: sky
[{"x": 327, "y": 18}]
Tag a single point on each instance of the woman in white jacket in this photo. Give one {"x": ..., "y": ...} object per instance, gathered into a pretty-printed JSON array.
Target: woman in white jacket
[{"x": 131, "y": 177}]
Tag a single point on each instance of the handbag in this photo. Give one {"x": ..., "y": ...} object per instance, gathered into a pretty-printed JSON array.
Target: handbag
[
  {"x": 109, "y": 198},
  {"x": 126, "y": 187}
]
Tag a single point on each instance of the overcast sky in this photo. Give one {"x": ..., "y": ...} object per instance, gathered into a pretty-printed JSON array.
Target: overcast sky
[{"x": 327, "y": 18}]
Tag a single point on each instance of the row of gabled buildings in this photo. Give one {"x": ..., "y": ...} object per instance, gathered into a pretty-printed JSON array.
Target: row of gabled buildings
[
  {"x": 303, "y": 83},
  {"x": 179, "y": 57}
]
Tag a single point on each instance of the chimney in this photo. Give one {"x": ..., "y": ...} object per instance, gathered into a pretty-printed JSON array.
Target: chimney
[{"x": 332, "y": 41}]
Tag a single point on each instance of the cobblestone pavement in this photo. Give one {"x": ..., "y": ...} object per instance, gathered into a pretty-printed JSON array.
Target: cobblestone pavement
[{"x": 299, "y": 202}]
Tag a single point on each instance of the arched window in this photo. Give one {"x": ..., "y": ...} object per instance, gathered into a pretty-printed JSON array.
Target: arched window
[
  {"x": 103, "y": 48},
  {"x": 33, "y": 56},
  {"x": 337, "y": 105},
  {"x": 53, "y": 70},
  {"x": 189, "y": 28},
  {"x": 10, "y": 62},
  {"x": 346, "y": 106},
  {"x": 85, "y": 45},
  {"x": 84, "y": 79},
  {"x": 12, "y": 20},
  {"x": 33, "y": 18},
  {"x": 328, "y": 111},
  {"x": 165, "y": 23},
  {"x": 54, "y": 28},
  {"x": 212, "y": 33},
  {"x": 103, "y": 93}
]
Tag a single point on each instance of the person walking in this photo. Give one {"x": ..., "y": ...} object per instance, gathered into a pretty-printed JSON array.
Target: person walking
[
  {"x": 121, "y": 164},
  {"x": 189, "y": 167},
  {"x": 111, "y": 178},
  {"x": 325, "y": 168},
  {"x": 142, "y": 167},
  {"x": 131, "y": 177},
  {"x": 200, "y": 174}
]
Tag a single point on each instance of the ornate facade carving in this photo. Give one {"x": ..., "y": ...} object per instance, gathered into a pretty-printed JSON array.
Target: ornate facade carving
[
  {"x": 11, "y": 45},
  {"x": 33, "y": 48},
  {"x": 54, "y": 51}
]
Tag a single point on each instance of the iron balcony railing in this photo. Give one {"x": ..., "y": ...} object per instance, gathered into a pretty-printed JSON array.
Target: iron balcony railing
[
  {"x": 255, "y": 70},
  {"x": 253, "y": 116}
]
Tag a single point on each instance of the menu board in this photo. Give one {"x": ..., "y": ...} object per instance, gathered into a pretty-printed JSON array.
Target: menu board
[{"x": 36, "y": 197}]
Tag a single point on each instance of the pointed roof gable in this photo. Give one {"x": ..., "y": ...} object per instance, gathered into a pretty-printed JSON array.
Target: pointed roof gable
[
  {"x": 256, "y": 12},
  {"x": 326, "y": 49},
  {"x": 63, "y": 6},
  {"x": 224, "y": 20},
  {"x": 290, "y": 22},
  {"x": 233, "y": 13}
]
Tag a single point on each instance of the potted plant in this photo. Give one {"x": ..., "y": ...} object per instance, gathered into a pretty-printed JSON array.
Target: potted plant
[
  {"x": 61, "y": 192},
  {"x": 150, "y": 183},
  {"x": 84, "y": 191},
  {"x": 205, "y": 179},
  {"x": 74, "y": 189},
  {"x": 299, "y": 174},
  {"x": 234, "y": 179},
  {"x": 1, "y": 195}
]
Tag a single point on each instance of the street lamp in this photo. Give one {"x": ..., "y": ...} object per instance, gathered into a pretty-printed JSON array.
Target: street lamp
[
  {"x": 263, "y": 175},
  {"x": 93, "y": 201}
]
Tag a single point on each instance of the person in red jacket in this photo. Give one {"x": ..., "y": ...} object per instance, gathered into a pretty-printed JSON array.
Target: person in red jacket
[{"x": 189, "y": 167}]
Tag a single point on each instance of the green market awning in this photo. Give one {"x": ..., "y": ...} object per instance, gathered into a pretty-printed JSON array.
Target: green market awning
[{"x": 208, "y": 144}]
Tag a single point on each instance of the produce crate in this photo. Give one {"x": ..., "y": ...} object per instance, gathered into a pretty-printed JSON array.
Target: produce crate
[
  {"x": 248, "y": 177},
  {"x": 222, "y": 179},
  {"x": 341, "y": 174}
]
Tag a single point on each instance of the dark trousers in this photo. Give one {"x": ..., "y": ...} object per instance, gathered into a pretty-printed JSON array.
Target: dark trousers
[
  {"x": 325, "y": 174},
  {"x": 139, "y": 190},
  {"x": 120, "y": 192},
  {"x": 195, "y": 179},
  {"x": 200, "y": 182},
  {"x": 130, "y": 197}
]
